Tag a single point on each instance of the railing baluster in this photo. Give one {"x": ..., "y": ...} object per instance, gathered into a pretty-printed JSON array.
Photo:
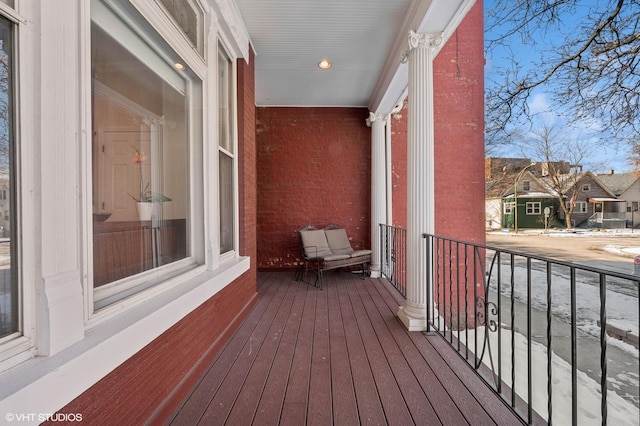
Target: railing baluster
[
  {"x": 549, "y": 353},
  {"x": 574, "y": 351},
  {"x": 450, "y": 295},
  {"x": 499, "y": 293},
  {"x": 513, "y": 326},
  {"x": 466, "y": 300},
  {"x": 457, "y": 263},
  {"x": 529, "y": 412},
  {"x": 603, "y": 347}
]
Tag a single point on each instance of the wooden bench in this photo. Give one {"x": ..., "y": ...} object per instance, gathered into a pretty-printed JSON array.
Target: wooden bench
[{"x": 326, "y": 249}]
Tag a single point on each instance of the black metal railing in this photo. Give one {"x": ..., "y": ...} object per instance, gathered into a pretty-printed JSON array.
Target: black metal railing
[
  {"x": 537, "y": 330},
  {"x": 393, "y": 256}
]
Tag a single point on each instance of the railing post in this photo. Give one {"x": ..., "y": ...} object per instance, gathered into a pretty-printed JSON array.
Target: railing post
[{"x": 428, "y": 280}]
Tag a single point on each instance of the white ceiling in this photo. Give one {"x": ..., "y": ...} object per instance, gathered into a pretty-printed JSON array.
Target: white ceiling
[{"x": 364, "y": 39}]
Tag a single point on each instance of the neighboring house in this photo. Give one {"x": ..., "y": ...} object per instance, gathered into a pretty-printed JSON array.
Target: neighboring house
[
  {"x": 493, "y": 205},
  {"x": 626, "y": 187},
  {"x": 524, "y": 203},
  {"x": 522, "y": 187},
  {"x": 217, "y": 108},
  {"x": 531, "y": 212},
  {"x": 595, "y": 204}
]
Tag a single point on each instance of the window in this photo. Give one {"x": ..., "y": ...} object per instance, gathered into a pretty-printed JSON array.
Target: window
[
  {"x": 226, "y": 150},
  {"x": 509, "y": 207},
  {"x": 533, "y": 207},
  {"x": 10, "y": 319},
  {"x": 526, "y": 185},
  {"x": 580, "y": 207},
  {"x": 142, "y": 110},
  {"x": 586, "y": 187},
  {"x": 633, "y": 207}
]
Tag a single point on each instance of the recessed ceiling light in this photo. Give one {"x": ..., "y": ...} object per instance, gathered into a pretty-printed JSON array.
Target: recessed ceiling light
[
  {"x": 178, "y": 66},
  {"x": 324, "y": 64}
]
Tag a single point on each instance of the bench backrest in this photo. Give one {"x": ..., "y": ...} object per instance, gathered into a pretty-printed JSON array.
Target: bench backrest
[
  {"x": 338, "y": 241},
  {"x": 314, "y": 243}
]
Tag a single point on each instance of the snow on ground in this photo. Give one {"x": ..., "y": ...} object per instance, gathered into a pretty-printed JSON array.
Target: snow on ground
[
  {"x": 589, "y": 396},
  {"x": 621, "y": 309}
]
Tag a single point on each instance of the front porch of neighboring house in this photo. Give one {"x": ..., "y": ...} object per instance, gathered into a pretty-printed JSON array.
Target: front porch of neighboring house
[{"x": 608, "y": 213}]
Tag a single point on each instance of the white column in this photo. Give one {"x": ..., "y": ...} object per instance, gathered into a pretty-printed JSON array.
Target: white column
[
  {"x": 378, "y": 187},
  {"x": 420, "y": 185}
]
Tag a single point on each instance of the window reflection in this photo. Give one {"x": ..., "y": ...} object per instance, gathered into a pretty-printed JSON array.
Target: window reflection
[
  {"x": 140, "y": 161},
  {"x": 9, "y": 289}
]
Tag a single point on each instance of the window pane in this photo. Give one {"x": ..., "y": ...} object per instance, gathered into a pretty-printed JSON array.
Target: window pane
[
  {"x": 225, "y": 100},
  {"x": 140, "y": 160},
  {"x": 10, "y": 3},
  {"x": 9, "y": 289},
  {"x": 226, "y": 203}
]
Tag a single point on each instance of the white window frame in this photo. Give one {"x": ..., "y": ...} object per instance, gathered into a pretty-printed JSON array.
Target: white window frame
[
  {"x": 509, "y": 207},
  {"x": 138, "y": 288},
  {"x": 19, "y": 346},
  {"x": 526, "y": 185},
  {"x": 233, "y": 117},
  {"x": 533, "y": 208},
  {"x": 586, "y": 187},
  {"x": 581, "y": 207}
]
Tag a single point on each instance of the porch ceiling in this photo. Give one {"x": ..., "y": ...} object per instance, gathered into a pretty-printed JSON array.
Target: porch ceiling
[{"x": 364, "y": 39}]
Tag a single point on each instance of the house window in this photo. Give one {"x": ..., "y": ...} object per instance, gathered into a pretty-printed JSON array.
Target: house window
[
  {"x": 145, "y": 114},
  {"x": 633, "y": 207},
  {"x": 226, "y": 150},
  {"x": 190, "y": 19},
  {"x": 581, "y": 207},
  {"x": 586, "y": 187},
  {"x": 3, "y": 192},
  {"x": 526, "y": 185},
  {"x": 509, "y": 207},
  {"x": 10, "y": 287},
  {"x": 533, "y": 207}
]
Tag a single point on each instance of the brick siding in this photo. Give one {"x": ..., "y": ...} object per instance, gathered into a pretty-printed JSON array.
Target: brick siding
[{"x": 314, "y": 166}]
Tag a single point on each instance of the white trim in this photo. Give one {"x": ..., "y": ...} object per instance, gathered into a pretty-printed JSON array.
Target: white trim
[
  {"x": 44, "y": 385},
  {"x": 536, "y": 208}
]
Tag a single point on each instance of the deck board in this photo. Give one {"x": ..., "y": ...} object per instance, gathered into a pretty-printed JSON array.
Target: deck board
[{"x": 337, "y": 356}]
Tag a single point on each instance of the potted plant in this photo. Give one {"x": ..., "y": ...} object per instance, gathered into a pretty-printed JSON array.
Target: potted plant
[{"x": 146, "y": 198}]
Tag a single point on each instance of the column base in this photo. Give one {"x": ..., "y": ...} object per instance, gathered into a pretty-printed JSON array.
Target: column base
[
  {"x": 411, "y": 321},
  {"x": 375, "y": 273}
]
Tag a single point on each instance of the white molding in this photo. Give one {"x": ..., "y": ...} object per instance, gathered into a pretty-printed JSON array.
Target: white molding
[
  {"x": 231, "y": 27},
  {"x": 425, "y": 16}
]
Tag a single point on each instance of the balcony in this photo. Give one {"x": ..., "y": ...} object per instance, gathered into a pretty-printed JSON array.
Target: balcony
[{"x": 337, "y": 356}]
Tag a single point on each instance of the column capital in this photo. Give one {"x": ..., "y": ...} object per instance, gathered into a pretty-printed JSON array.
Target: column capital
[
  {"x": 417, "y": 40},
  {"x": 376, "y": 117}
]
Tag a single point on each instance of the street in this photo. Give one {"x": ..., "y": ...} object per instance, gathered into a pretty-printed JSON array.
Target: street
[
  {"x": 621, "y": 298},
  {"x": 585, "y": 250}
]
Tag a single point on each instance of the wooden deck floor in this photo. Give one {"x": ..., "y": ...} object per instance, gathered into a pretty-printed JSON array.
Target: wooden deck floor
[{"x": 337, "y": 356}]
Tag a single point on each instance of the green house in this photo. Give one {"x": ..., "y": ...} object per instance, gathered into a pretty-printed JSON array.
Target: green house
[{"x": 535, "y": 210}]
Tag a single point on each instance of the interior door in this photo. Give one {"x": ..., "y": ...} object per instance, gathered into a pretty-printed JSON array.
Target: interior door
[{"x": 118, "y": 177}]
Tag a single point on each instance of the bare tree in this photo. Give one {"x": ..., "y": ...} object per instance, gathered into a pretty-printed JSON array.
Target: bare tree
[
  {"x": 584, "y": 54},
  {"x": 560, "y": 162}
]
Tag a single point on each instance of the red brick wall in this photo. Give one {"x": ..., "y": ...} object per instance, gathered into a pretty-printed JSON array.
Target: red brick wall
[
  {"x": 247, "y": 162},
  {"x": 150, "y": 385},
  {"x": 399, "y": 167},
  {"x": 459, "y": 131},
  {"x": 459, "y": 137},
  {"x": 314, "y": 166}
]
